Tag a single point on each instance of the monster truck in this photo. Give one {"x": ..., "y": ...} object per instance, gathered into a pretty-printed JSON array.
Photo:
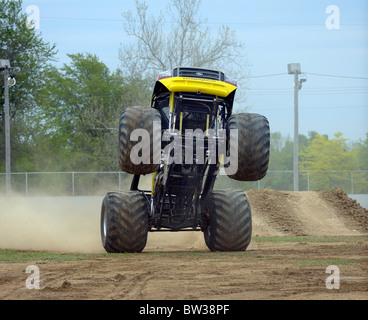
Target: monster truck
[{"x": 186, "y": 139}]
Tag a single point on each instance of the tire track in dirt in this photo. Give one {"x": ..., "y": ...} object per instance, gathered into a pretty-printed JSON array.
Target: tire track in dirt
[{"x": 131, "y": 286}]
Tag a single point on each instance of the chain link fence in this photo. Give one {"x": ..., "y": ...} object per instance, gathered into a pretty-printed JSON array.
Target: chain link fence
[
  {"x": 98, "y": 183},
  {"x": 351, "y": 181}
]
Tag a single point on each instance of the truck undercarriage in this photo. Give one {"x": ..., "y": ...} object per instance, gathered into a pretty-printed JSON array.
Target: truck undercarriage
[{"x": 193, "y": 135}]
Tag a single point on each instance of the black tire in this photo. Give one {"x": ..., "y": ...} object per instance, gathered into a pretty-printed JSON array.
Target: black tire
[
  {"x": 138, "y": 118},
  {"x": 124, "y": 222},
  {"x": 253, "y": 145},
  {"x": 230, "y": 221}
]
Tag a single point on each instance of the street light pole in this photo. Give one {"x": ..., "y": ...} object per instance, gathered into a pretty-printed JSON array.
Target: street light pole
[
  {"x": 296, "y": 132},
  {"x": 294, "y": 68},
  {"x": 5, "y": 65}
]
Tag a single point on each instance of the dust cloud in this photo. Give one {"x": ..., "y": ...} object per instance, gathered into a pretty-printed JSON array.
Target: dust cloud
[
  {"x": 50, "y": 223},
  {"x": 45, "y": 222},
  {"x": 70, "y": 224}
]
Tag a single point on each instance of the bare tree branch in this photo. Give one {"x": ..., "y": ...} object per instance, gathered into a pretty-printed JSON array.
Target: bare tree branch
[{"x": 188, "y": 42}]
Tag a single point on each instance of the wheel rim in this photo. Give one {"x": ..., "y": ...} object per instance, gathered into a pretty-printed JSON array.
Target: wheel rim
[
  {"x": 207, "y": 235},
  {"x": 208, "y": 231},
  {"x": 104, "y": 225}
]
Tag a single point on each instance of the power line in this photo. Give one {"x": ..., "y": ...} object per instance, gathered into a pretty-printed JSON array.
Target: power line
[
  {"x": 335, "y": 76},
  {"x": 262, "y": 23},
  {"x": 309, "y": 91},
  {"x": 266, "y": 75},
  {"x": 311, "y": 108},
  {"x": 84, "y": 19},
  {"x": 309, "y": 73},
  {"x": 317, "y": 88},
  {"x": 286, "y": 24}
]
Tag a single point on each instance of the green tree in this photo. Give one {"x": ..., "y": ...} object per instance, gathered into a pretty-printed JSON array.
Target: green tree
[
  {"x": 29, "y": 55},
  {"x": 323, "y": 154},
  {"x": 327, "y": 154},
  {"x": 362, "y": 154},
  {"x": 360, "y": 178},
  {"x": 80, "y": 112},
  {"x": 281, "y": 161}
]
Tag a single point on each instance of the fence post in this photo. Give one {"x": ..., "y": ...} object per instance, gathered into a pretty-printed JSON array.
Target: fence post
[
  {"x": 352, "y": 182},
  {"x": 73, "y": 184},
  {"x": 26, "y": 184},
  {"x": 307, "y": 180}
]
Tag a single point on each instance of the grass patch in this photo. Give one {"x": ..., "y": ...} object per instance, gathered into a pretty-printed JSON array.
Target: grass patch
[
  {"x": 301, "y": 239},
  {"x": 12, "y": 256}
]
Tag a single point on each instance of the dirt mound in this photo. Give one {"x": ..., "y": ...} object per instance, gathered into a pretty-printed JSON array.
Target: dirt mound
[
  {"x": 306, "y": 213},
  {"x": 349, "y": 209}
]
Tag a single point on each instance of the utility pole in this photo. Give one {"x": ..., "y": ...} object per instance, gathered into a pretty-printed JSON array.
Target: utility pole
[
  {"x": 294, "y": 68},
  {"x": 5, "y": 66},
  {"x": 296, "y": 132}
]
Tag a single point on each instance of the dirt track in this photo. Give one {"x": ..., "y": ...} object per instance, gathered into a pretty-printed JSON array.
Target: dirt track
[{"x": 309, "y": 231}]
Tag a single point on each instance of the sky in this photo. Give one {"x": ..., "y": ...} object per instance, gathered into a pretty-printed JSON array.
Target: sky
[{"x": 329, "y": 38}]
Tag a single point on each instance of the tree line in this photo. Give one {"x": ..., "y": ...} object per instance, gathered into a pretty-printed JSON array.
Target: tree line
[{"x": 324, "y": 163}]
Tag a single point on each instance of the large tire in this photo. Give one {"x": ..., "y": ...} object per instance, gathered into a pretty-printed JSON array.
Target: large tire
[
  {"x": 124, "y": 222},
  {"x": 138, "y": 118},
  {"x": 253, "y": 145},
  {"x": 230, "y": 221}
]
